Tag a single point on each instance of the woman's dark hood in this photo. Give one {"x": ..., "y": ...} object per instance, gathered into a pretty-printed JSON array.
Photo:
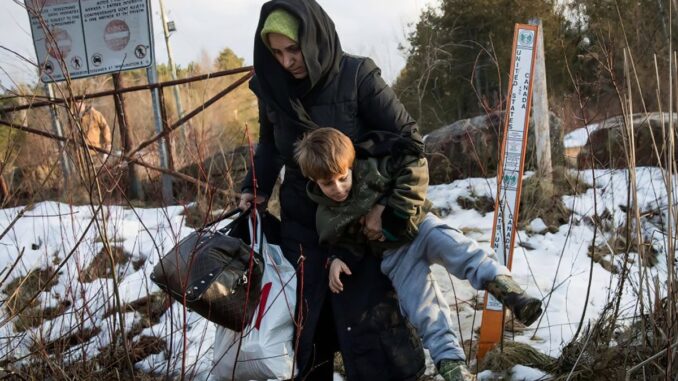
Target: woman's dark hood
[{"x": 322, "y": 55}]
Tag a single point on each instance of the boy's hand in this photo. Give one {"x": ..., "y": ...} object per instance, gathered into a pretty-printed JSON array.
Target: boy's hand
[
  {"x": 336, "y": 268},
  {"x": 372, "y": 223}
]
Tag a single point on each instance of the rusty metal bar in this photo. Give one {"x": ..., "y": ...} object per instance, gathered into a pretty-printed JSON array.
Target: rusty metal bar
[
  {"x": 160, "y": 85},
  {"x": 165, "y": 128},
  {"x": 193, "y": 113},
  {"x": 210, "y": 101},
  {"x": 135, "y": 189},
  {"x": 126, "y": 157}
]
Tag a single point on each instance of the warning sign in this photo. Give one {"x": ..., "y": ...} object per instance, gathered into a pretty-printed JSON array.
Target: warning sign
[
  {"x": 80, "y": 38},
  {"x": 61, "y": 46},
  {"x": 116, "y": 35}
]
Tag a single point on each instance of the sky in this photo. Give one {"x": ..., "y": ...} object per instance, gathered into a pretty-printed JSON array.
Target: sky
[
  {"x": 550, "y": 265},
  {"x": 373, "y": 28}
]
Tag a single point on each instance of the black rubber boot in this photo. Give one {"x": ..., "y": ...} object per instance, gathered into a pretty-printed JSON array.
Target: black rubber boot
[{"x": 525, "y": 308}]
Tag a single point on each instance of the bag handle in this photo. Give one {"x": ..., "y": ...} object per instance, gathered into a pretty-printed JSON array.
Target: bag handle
[
  {"x": 256, "y": 235},
  {"x": 254, "y": 215},
  {"x": 225, "y": 216}
]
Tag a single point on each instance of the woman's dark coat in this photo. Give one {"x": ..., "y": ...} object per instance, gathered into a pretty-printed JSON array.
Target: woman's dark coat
[{"x": 345, "y": 92}]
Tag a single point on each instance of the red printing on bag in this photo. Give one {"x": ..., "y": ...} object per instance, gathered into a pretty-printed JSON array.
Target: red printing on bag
[{"x": 262, "y": 305}]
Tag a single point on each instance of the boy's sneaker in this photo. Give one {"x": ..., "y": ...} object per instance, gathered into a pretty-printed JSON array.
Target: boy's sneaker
[
  {"x": 525, "y": 308},
  {"x": 455, "y": 370}
]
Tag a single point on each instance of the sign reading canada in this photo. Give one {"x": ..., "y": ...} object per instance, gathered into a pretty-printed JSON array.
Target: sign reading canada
[
  {"x": 515, "y": 139},
  {"x": 81, "y": 38}
]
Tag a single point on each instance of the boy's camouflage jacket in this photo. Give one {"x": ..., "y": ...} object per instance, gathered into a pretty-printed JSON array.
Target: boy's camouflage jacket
[{"x": 399, "y": 183}]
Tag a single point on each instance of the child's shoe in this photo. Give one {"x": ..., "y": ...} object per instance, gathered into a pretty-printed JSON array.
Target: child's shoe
[
  {"x": 525, "y": 308},
  {"x": 455, "y": 370}
]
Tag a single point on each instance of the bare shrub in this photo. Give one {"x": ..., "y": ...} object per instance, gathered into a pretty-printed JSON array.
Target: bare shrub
[
  {"x": 100, "y": 267},
  {"x": 483, "y": 204},
  {"x": 510, "y": 353},
  {"x": 21, "y": 299},
  {"x": 541, "y": 199}
]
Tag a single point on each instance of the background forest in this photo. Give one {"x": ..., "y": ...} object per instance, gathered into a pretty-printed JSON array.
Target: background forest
[{"x": 459, "y": 52}]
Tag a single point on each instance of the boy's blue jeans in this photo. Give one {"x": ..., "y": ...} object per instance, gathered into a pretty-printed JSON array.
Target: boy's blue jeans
[{"x": 421, "y": 301}]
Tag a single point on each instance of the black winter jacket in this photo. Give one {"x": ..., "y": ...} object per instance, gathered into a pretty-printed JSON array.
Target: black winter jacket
[{"x": 345, "y": 92}]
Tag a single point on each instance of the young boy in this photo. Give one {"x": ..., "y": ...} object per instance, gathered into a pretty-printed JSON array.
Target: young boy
[{"x": 378, "y": 205}]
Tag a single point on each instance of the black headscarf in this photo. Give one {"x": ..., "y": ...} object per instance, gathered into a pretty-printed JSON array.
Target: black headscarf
[{"x": 322, "y": 55}]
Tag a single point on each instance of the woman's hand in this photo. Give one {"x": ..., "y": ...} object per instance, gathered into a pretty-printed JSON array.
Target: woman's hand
[
  {"x": 337, "y": 267},
  {"x": 245, "y": 201},
  {"x": 372, "y": 223}
]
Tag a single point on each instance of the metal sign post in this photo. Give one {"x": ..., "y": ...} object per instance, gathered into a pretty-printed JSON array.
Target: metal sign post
[
  {"x": 163, "y": 153},
  {"x": 510, "y": 174},
  {"x": 166, "y": 180},
  {"x": 81, "y": 38},
  {"x": 58, "y": 131}
]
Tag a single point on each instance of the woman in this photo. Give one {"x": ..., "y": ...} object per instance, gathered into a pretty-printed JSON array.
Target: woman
[{"x": 304, "y": 80}]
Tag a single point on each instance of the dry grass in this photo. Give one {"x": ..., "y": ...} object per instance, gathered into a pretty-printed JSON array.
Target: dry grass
[
  {"x": 483, "y": 204},
  {"x": 608, "y": 349},
  {"x": 21, "y": 299},
  {"x": 514, "y": 353},
  {"x": 568, "y": 182},
  {"x": 100, "y": 266},
  {"x": 542, "y": 199},
  {"x": 622, "y": 242},
  {"x": 108, "y": 365},
  {"x": 151, "y": 307}
]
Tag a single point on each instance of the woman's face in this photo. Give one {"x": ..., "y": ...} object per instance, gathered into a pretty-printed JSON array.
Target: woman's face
[{"x": 288, "y": 54}]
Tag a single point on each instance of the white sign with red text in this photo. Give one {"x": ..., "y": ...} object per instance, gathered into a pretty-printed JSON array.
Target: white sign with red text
[{"x": 81, "y": 38}]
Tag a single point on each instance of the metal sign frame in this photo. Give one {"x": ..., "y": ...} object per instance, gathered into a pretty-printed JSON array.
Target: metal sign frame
[{"x": 81, "y": 38}]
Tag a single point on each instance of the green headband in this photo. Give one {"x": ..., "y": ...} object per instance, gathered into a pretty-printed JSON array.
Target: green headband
[{"x": 282, "y": 22}]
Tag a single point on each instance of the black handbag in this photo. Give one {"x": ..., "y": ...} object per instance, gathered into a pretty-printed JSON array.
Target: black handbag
[{"x": 214, "y": 273}]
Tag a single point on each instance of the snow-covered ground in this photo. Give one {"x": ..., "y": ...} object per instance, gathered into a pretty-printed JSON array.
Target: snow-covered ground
[
  {"x": 556, "y": 269},
  {"x": 580, "y": 136}
]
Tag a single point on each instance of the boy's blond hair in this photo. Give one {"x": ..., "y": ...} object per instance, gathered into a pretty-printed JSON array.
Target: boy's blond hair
[{"x": 324, "y": 153}]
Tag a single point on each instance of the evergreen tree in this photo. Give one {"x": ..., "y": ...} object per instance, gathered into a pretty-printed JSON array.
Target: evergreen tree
[
  {"x": 227, "y": 59},
  {"x": 460, "y": 52},
  {"x": 607, "y": 28}
]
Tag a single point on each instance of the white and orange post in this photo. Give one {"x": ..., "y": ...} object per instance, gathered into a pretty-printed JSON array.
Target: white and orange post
[{"x": 510, "y": 173}]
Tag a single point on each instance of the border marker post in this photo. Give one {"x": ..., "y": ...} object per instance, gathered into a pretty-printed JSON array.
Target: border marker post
[{"x": 510, "y": 173}]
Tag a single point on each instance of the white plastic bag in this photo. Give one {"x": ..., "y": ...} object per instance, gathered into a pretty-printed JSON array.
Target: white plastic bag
[{"x": 266, "y": 350}]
